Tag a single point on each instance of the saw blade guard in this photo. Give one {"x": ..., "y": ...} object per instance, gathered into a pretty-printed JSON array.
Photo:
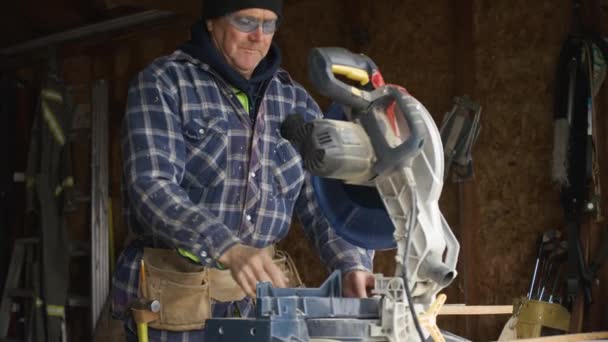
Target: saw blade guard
[
  {"x": 410, "y": 188},
  {"x": 409, "y": 177}
]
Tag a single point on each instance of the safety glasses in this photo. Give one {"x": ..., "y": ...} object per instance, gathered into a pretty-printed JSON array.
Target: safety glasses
[{"x": 249, "y": 24}]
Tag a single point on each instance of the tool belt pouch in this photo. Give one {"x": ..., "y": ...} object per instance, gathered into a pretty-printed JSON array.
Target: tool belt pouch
[
  {"x": 181, "y": 287},
  {"x": 286, "y": 264},
  {"x": 186, "y": 290}
]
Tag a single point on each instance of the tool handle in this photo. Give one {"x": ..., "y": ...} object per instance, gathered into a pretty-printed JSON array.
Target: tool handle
[
  {"x": 142, "y": 332},
  {"x": 325, "y": 63},
  {"x": 392, "y": 157}
]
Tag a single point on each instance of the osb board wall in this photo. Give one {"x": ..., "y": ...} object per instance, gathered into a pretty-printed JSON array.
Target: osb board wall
[
  {"x": 515, "y": 49},
  {"x": 517, "y": 44}
]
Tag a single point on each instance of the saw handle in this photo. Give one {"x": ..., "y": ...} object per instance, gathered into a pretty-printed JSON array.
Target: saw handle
[
  {"x": 325, "y": 63},
  {"x": 390, "y": 158}
]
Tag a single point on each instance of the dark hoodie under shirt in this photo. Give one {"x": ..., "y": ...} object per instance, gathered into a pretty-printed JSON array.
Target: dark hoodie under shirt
[{"x": 201, "y": 47}]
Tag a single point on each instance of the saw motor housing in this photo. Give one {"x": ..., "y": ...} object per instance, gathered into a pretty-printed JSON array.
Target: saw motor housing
[{"x": 332, "y": 148}]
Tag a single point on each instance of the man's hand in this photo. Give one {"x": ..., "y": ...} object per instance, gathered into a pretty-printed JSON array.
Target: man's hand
[
  {"x": 250, "y": 265},
  {"x": 357, "y": 284}
]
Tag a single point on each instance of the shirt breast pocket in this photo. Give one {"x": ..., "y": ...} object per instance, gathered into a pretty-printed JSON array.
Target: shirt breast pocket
[
  {"x": 288, "y": 172},
  {"x": 206, "y": 153}
]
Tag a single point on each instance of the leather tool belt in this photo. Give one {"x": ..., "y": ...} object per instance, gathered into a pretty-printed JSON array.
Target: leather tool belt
[{"x": 186, "y": 291}]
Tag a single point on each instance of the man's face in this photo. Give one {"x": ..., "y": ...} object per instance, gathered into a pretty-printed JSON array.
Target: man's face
[{"x": 242, "y": 50}]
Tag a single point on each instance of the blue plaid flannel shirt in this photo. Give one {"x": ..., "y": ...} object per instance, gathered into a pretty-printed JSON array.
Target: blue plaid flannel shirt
[{"x": 199, "y": 175}]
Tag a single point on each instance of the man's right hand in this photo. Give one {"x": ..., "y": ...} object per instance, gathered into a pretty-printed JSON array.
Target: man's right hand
[{"x": 250, "y": 265}]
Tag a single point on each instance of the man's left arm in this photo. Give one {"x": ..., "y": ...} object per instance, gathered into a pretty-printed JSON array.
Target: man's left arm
[{"x": 354, "y": 262}]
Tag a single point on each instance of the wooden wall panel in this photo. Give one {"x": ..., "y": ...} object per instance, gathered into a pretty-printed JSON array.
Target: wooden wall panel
[
  {"x": 298, "y": 34},
  {"x": 516, "y": 45},
  {"x": 467, "y": 224}
]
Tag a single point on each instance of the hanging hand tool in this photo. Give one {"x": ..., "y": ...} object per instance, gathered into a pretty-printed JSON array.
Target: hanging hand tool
[
  {"x": 545, "y": 240},
  {"x": 144, "y": 311},
  {"x": 459, "y": 130},
  {"x": 552, "y": 268}
]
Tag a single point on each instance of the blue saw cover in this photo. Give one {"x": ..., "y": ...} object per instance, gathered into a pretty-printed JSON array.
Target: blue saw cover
[{"x": 345, "y": 208}]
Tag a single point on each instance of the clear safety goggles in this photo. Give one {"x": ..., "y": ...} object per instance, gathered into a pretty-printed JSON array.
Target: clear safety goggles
[{"x": 249, "y": 24}]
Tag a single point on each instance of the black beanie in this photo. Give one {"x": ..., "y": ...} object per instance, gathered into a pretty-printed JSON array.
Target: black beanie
[{"x": 218, "y": 8}]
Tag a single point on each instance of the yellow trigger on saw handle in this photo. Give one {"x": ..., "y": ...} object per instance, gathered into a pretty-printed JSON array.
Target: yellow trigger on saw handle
[
  {"x": 325, "y": 63},
  {"x": 352, "y": 73}
]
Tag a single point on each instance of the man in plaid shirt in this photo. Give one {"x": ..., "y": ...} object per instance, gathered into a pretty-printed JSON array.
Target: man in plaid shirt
[{"x": 206, "y": 171}]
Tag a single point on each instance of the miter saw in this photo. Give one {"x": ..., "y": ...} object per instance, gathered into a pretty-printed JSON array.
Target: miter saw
[{"x": 387, "y": 147}]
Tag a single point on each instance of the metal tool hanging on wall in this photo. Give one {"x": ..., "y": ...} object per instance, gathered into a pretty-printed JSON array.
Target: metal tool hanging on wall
[{"x": 459, "y": 131}]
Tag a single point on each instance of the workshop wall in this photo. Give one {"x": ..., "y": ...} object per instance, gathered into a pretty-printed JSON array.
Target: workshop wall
[
  {"x": 516, "y": 44},
  {"x": 517, "y": 48},
  {"x": 516, "y": 54}
]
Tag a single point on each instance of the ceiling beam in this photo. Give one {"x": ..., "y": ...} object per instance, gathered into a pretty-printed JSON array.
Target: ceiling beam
[
  {"x": 191, "y": 8},
  {"x": 87, "y": 31},
  {"x": 53, "y": 16}
]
